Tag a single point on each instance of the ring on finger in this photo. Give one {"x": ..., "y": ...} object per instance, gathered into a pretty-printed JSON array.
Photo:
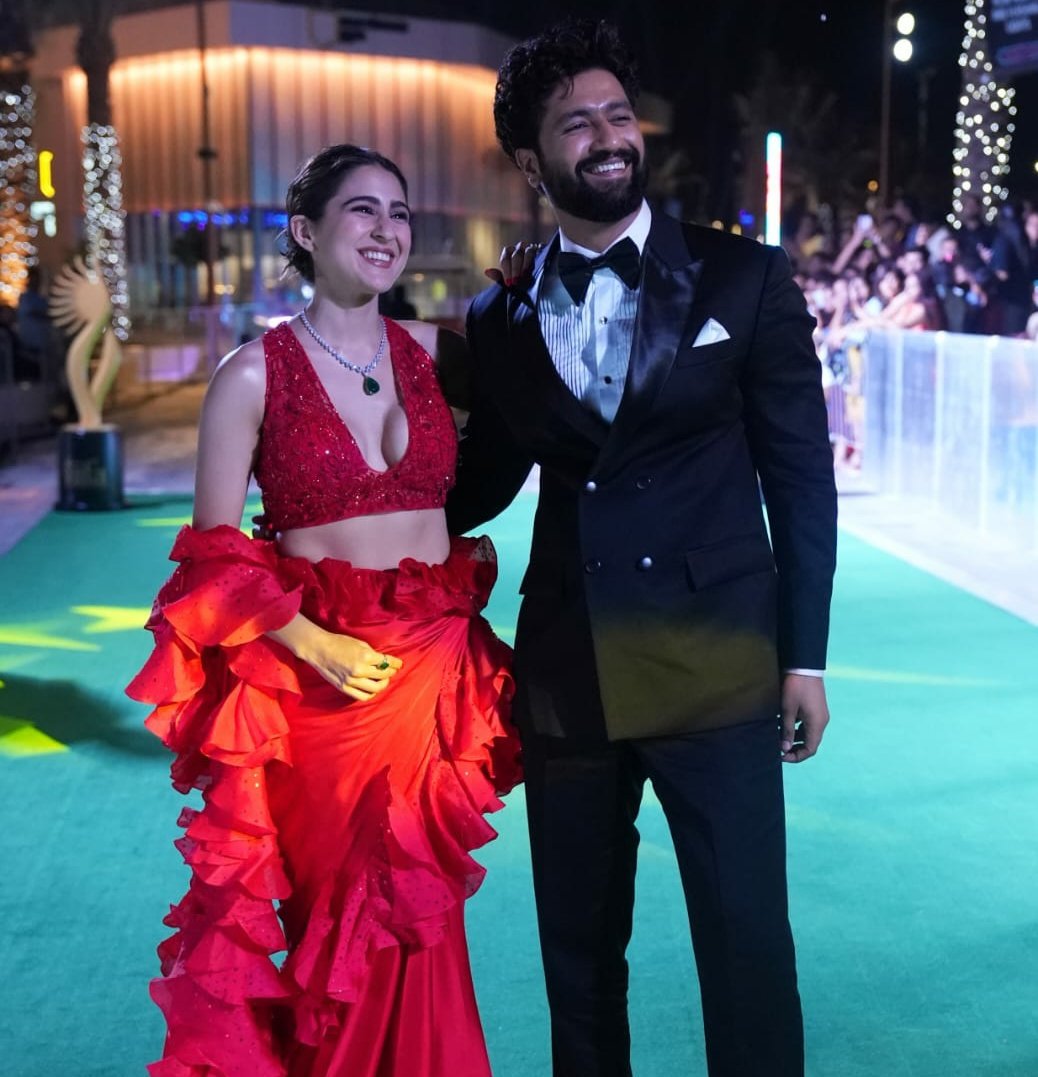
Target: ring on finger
[{"x": 384, "y": 664}]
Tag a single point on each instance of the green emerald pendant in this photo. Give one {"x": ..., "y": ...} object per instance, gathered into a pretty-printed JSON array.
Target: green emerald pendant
[{"x": 371, "y": 387}]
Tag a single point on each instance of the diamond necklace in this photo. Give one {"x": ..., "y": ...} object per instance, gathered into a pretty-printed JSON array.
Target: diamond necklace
[{"x": 370, "y": 386}]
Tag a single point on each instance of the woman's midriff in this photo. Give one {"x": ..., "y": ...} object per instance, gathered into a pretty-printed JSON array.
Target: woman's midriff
[{"x": 376, "y": 541}]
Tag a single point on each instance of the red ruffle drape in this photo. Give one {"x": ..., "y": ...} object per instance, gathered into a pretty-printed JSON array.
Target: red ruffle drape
[{"x": 357, "y": 818}]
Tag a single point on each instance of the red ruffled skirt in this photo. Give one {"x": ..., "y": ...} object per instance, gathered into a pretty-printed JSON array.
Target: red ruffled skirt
[{"x": 357, "y": 818}]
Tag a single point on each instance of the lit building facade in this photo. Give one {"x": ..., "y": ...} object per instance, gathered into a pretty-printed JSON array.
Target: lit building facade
[{"x": 282, "y": 82}]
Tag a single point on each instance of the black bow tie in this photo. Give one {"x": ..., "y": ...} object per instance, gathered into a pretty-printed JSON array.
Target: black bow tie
[{"x": 576, "y": 271}]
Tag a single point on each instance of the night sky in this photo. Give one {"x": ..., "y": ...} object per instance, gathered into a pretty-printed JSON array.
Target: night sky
[
  {"x": 699, "y": 53},
  {"x": 696, "y": 53},
  {"x": 842, "y": 41}
]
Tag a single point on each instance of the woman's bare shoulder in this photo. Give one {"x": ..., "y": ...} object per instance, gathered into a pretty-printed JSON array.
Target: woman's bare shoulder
[
  {"x": 239, "y": 384},
  {"x": 426, "y": 333},
  {"x": 443, "y": 344},
  {"x": 244, "y": 360},
  {"x": 450, "y": 354},
  {"x": 245, "y": 367}
]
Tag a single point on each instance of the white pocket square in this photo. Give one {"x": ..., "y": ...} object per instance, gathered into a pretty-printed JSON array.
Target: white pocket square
[{"x": 713, "y": 332}]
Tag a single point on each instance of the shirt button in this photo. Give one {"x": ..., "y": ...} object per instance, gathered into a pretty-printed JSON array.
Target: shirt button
[
  {"x": 592, "y": 566},
  {"x": 643, "y": 482},
  {"x": 645, "y": 564},
  {"x": 590, "y": 487},
  {"x": 608, "y": 380}
]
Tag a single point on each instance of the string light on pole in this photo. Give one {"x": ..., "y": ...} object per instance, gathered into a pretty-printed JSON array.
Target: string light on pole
[
  {"x": 17, "y": 187},
  {"x": 985, "y": 122},
  {"x": 104, "y": 223}
]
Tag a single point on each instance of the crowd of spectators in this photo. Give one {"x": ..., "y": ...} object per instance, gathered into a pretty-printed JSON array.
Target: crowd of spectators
[{"x": 897, "y": 271}]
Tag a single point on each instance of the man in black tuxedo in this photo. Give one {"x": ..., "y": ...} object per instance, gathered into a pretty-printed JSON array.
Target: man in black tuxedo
[{"x": 660, "y": 388}]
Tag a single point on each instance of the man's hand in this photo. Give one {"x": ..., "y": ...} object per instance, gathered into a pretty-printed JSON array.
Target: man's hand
[
  {"x": 805, "y": 714},
  {"x": 262, "y": 530}
]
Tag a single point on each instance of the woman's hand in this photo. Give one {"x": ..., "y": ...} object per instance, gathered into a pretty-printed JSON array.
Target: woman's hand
[
  {"x": 350, "y": 664},
  {"x": 516, "y": 262}
]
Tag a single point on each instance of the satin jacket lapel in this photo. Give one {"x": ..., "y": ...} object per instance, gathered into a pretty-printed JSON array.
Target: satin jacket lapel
[
  {"x": 668, "y": 288},
  {"x": 529, "y": 352}
]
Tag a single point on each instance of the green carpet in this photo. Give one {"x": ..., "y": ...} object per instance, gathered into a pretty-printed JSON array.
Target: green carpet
[{"x": 914, "y": 867}]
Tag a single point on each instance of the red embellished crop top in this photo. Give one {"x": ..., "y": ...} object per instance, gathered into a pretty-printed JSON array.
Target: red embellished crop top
[{"x": 308, "y": 466}]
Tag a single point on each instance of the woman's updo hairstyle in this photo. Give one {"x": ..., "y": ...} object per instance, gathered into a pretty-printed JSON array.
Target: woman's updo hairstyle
[{"x": 314, "y": 187}]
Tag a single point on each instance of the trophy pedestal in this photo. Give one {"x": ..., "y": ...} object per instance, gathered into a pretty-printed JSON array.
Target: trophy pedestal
[{"x": 90, "y": 469}]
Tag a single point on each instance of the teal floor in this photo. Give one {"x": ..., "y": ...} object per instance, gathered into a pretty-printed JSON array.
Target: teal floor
[{"x": 913, "y": 850}]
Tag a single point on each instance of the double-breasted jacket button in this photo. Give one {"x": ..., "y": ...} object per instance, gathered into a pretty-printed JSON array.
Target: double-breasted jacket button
[
  {"x": 643, "y": 482},
  {"x": 592, "y": 565},
  {"x": 590, "y": 486},
  {"x": 645, "y": 564}
]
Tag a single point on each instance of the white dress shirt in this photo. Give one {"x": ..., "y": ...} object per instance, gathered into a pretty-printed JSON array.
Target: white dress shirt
[{"x": 590, "y": 342}]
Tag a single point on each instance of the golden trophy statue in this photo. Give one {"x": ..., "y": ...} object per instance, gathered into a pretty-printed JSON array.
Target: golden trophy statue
[{"x": 90, "y": 459}]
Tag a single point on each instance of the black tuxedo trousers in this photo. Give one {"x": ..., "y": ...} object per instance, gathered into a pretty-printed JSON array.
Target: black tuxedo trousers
[{"x": 721, "y": 792}]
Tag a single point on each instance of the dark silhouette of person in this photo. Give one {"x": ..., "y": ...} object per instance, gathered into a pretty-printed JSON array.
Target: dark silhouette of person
[{"x": 395, "y": 304}]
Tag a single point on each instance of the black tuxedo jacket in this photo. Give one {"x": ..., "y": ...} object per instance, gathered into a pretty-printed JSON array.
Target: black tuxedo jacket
[{"x": 654, "y": 602}]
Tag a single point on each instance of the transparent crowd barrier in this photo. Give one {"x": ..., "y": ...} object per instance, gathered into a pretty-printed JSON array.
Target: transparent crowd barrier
[{"x": 946, "y": 420}]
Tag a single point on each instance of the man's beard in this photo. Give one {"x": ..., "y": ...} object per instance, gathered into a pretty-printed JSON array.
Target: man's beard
[{"x": 571, "y": 192}]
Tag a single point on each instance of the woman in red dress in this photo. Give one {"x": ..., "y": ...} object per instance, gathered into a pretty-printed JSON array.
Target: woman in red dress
[{"x": 335, "y": 694}]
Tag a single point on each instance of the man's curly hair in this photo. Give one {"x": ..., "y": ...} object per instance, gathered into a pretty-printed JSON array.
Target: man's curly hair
[{"x": 532, "y": 70}]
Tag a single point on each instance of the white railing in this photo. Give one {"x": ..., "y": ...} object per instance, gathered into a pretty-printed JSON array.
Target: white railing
[{"x": 949, "y": 421}]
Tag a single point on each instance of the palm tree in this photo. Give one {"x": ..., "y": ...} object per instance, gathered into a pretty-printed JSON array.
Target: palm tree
[{"x": 824, "y": 158}]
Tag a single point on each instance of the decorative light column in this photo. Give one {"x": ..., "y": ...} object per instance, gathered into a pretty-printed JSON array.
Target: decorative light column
[
  {"x": 984, "y": 123},
  {"x": 17, "y": 156},
  {"x": 104, "y": 221}
]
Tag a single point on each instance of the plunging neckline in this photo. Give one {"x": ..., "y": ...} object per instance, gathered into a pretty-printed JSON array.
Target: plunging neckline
[{"x": 334, "y": 411}]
